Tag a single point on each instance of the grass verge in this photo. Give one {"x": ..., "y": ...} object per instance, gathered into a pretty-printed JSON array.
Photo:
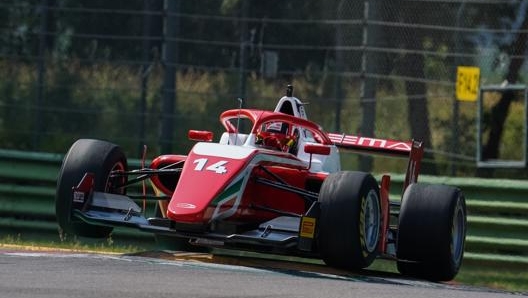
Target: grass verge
[
  {"x": 101, "y": 246},
  {"x": 513, "y": 280}
]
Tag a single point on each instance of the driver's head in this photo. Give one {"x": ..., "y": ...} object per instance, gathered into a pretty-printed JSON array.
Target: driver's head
[{"x": 273, "y": 135}]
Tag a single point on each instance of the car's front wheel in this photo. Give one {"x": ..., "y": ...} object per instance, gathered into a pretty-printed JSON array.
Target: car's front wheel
[{"x": 87, "y": 156}]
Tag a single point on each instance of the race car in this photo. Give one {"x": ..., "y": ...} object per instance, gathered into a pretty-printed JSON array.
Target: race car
[{"x": 278, "y": 188}]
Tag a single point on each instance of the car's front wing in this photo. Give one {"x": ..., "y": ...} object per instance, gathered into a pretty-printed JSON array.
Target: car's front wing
[{"x": 281, "y": 234}]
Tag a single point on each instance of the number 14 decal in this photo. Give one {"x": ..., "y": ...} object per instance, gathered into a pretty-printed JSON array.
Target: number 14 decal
[{"x": 216, "y": 167}]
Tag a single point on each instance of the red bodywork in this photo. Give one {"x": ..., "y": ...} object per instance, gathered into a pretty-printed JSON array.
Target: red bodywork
[
  {"x": 275, "y": 186},
  {"x": 195, "y": 196},
  {"x": 260, "y": 188},
  {"x": 220, "y": 181}
]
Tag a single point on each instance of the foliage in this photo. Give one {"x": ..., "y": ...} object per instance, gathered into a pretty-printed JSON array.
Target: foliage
[
  {"x": 100, "y": 57},
  {"x": 101, "y": 101}
]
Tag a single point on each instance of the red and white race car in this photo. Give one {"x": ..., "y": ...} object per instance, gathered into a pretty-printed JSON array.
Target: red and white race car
[{"x": 278, "y": 188}]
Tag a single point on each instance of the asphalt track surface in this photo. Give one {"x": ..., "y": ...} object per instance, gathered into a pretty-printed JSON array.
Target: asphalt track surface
[{"x": 27, "y": 274}]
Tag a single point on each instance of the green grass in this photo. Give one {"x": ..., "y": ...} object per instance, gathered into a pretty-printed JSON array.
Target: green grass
[
  {"x": 514, "y": 280},
  {"x": 103, "y": 245}
]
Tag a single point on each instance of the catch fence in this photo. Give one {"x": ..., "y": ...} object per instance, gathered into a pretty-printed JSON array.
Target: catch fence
[{"x": 145, "y": 71}]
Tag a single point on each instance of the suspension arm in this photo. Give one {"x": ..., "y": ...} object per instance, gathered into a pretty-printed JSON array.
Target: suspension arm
[{"x": 308, "y": 195}]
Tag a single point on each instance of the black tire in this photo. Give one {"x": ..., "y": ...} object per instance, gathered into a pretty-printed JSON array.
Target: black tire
[
  {"x": 350, "y": 221},
  {"x": 86, "y": 155},
  {"x": 431, "y": 232}
]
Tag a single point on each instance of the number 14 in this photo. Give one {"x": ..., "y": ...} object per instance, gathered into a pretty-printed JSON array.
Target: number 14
[{"x": 218, "y": 167}]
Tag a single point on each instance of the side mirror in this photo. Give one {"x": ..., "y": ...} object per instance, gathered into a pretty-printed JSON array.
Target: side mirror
[
  {"x": 200, "y": 135},
  {"x": 317, "y": 149}
]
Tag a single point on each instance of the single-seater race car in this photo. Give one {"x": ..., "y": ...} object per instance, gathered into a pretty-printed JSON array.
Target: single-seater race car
[{"x": 277, "y": 189}]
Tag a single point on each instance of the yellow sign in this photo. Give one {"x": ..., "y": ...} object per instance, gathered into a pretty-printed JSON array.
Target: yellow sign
[
  {"x": 467, "y": 84},
  {"x": 307, "y": 227}
]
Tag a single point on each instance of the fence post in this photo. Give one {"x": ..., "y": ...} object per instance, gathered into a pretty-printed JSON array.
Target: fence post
[
  {"x": 338, "y": 86},
  {"x": 456, "y": 107},
  {"x": 368, "y": 82},
  {"x": 170, "y": 58},
  {"x": 243, "y": 45},
  {"x": 41, "y": 72},
  {"x": 144, "y": 74}
]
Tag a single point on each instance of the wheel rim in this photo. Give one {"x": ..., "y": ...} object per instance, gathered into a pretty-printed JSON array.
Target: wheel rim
[
  {"x": 371, "y": 220},
  {"x": 113, "y": 181},
  {"x": 458, "y": 232}
]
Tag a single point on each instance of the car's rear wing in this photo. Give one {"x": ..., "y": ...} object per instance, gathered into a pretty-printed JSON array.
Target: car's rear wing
[{"x": 413, "y": 150}]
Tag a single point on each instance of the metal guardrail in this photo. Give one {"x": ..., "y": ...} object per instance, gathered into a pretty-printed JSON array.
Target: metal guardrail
[
  {"x": 497, "y": 218},
  {"x": 27, "y": 200},
  {"x": 497, "y": 209}
]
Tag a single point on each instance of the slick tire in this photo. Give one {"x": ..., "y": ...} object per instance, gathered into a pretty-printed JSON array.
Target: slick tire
[
  {"x": 87, "y": 155},
  {"x": 350, "y": 221},
  {"x": 431, "y": 232}
]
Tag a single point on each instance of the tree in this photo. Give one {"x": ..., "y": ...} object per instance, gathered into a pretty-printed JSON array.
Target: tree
[
  {"x": 500, "y": 110},
  {"x": 413, "y": 72}
]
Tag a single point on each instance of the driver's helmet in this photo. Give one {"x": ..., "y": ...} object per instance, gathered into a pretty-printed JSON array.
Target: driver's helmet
[{"x": 275, "y": 136}]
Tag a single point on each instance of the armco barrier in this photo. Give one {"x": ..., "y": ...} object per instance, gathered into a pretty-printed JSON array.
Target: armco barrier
[
  {"x": 27, "y": 200},
  {"x": 497, "y": 218},
  {"x": 497, "y": 209}
]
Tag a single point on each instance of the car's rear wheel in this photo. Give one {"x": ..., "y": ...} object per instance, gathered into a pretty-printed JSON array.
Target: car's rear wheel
[
  {"x": 350, "y": 221},
  {"x": 97, "y": 157},
  {"x": 431, "y": 232}
]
